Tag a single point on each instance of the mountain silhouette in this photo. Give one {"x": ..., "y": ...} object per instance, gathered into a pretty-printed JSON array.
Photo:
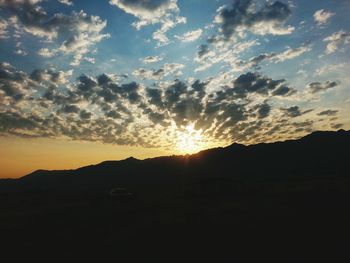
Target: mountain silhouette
[
  {"x": 211, "y": 203},
  {"x": 322, "y": 153}
]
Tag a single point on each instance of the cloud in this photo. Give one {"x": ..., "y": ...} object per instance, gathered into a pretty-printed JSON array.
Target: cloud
[
  {"x": 12, "y": 121},
  {"x": 151, "y": 59},
  {"x": 3, "y": 29},
  {"x": 294, "y": 111},
  {"x": 21, "y": 52},
  {"x": 163, "y": 12},
  {"x": 264, "y": 110},
  {"x": 70, "y": 109},
  {"x": 322, "y": 16},
  {"x": 66, "y": 2},
  {"x": 336, "y": 126},
  {"x": 328, "y": 113},
  {"x": 166, "y": 70},
  {"x": 336, "y": 40},
  {"x": 13, "y": 84},
  {"x": 330, "y": 68},
  {"x": 255, "y": 83},
  {"x": 223, "y": 54},
  {"x": 291, "y": 53},
  {"x": 190, "y": 36},
  {"x": 316, "y": 87},
  {"x": 45, "y": 52},
  {"x": 287, "y": 54},
  {"x": 53, "y": 76},
  {"x": 100, "y": 108},
  {"x": 75, "y": 33},
  {"x": 269, "y": 19}
]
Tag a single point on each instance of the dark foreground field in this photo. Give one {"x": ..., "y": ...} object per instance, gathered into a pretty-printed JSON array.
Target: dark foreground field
[
  {"x": 247, "y": 225},
  {"x": 188, "y": 217}
]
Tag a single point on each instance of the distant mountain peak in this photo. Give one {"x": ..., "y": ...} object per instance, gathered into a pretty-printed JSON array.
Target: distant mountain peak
[{"x": 131, "y": 159}]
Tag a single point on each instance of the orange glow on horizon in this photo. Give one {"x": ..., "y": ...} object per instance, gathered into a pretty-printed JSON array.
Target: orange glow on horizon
[{"x": 19, "y": 156}]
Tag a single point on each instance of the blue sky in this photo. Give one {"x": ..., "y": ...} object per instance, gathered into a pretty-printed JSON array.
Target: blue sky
[{"x": 140, "y": 73}]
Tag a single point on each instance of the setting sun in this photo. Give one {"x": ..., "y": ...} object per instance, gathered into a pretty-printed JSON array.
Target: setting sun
[{"x": 190, "y": 140}]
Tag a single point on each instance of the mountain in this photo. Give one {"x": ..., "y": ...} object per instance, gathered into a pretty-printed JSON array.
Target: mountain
[
  {"x": 219, "y": 202},
  {"x": 322, "y": 153}
]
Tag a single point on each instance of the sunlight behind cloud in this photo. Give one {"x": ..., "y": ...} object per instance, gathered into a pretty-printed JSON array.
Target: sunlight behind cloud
[{"x": 190, "y": 140}]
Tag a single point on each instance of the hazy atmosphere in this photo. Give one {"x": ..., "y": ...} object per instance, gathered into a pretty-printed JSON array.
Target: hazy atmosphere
[{"x": 86, "y": 81}]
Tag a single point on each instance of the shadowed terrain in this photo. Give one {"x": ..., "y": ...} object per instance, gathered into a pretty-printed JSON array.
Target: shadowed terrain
[{"x": 240, "y": 201}]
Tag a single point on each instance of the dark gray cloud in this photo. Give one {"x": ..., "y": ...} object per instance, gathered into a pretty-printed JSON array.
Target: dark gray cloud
[
  {"x": 315, "y": 87},
  {"x": 85, "y": 115},
  {"x": 253, "y": 82},
  {"x": 10, "y": 121},
  {"x": 70, "y": 109},
  {"x": 328, "y": 113},
  {"x": 202, "y": 51},
  {"x": 264, "y": 110},
  {"x": 283, "y": 91},
  {"x": 295, "y": 111},
  {"x": 337, "y": 126},
  {"x": 268, "y": 19}
]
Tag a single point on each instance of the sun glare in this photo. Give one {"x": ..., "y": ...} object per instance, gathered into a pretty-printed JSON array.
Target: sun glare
[{"x": 190, "y": 140}]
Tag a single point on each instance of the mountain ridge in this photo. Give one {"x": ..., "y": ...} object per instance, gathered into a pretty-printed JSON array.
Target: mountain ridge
[
  {"x": 131, "y": 162},
  {"x": 235, "y": 161}
]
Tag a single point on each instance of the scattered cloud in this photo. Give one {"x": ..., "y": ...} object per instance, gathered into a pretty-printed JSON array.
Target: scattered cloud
[
  {"x": 322, "y": 16},
  {"x": 291, "y": 53},
  {"x": 75, "y": 33},
  {"x": 163, "y": 12},
  {"x": 316, "y": 87},
  {"x": 3, "y": 29},
  {"x": 190, "y": 36},
  {"x": 66, "y": 2},
  {"x": 45, "y": 52},
  {"x": 294, "y": 111},
  {"x": 151, "y": 59},
  {"x": 336, "y": 40},
  {"x": 166, "y": 70},
  {"x": 102, "y": 109},
  {"x": 330, "y": 68},
  {"x": 328, "y": 113},
  {"x": 243, "y": 16}
]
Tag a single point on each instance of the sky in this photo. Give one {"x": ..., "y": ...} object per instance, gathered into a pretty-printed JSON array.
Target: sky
[{"x": 86, "y": 81}]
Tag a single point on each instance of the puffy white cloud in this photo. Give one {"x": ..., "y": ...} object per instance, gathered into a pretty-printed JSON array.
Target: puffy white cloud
[
  {"x": 148, "y": 12},
  {"x": 190, "y": 36},
  {"x": 78, "y": 32},
  {"x": 163, "y": 12},
  {"x": 45, "y": 52},
  {"x": 322, "y": 16},
  {"x": 66, "y": 2},
  {"x": 336, "y": 40}
]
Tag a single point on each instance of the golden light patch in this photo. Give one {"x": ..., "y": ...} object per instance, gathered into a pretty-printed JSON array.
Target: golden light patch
[{"x": 190, "y": 140}]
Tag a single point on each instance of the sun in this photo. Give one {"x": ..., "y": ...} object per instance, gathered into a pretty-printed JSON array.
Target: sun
[{"x": 190, "y": 140}]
